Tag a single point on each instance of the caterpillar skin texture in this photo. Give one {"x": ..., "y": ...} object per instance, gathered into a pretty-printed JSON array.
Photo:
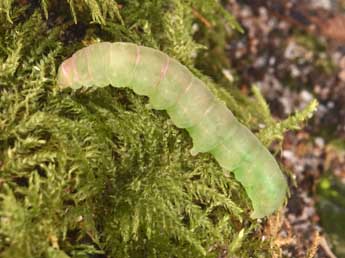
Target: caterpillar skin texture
[{"x": 172, "y": 87}]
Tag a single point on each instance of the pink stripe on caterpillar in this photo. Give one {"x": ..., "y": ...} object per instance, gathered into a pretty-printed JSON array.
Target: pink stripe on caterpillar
[
  {"x": 137, "y": 61},
  {"x": 110, "y": 60},
  {"x": 186, "y": 89},
  {"x": 207, "y": 111},
  {"x": 163, "y": 72},
  {"x": 74, "y": 69},
  {"x": 138, "y": 56},
  {"x": 184, "y": 109},
  {"x": 165, "y": 68},
  {"x": 88, "y": 65}
]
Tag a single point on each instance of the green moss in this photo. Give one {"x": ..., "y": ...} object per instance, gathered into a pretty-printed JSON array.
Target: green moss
[
  {"x": 96, "y": 172},
  {"x": 331, "y": 207}
]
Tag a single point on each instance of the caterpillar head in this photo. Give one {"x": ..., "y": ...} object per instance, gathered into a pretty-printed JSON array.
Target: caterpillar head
[{"x": 65, "y": 74}]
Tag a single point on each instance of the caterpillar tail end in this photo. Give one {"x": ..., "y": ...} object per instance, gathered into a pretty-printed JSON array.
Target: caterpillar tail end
[
  {"x": 273, "y": 203},
  {"x": 256, "y": 215},
  {"x": 193, "y": 151}
]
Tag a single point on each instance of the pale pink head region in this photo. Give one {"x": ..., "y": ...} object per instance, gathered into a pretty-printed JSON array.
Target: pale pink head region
[{"x": 65, "y": 74}]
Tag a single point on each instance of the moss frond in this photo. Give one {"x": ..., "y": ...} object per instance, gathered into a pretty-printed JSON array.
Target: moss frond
[
  {"x": 276, "y": 130},
  {"x": 5, "y": 8}
]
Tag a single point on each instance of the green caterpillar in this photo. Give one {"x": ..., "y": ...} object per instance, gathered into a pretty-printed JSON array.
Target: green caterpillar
[{"x": 172, "y": 87}]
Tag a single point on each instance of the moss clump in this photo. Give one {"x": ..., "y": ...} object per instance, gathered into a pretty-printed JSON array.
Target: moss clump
[{"x": 96, "y": 173}]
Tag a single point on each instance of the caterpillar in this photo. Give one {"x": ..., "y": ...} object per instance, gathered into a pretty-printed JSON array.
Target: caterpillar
[{"x": 190, "y": 104}]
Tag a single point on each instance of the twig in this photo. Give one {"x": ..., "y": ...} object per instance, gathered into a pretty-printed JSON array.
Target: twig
[
  {"x": 325, "y": 247},
  {"x": 201, "y": 18}
]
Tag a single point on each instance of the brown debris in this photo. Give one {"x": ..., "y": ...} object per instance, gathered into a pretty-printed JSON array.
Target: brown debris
[{"x": 201, "y": 18}]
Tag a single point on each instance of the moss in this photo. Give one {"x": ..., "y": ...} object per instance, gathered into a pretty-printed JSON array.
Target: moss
[
  {"x": 331, "y": 207},
  {"x": 96, "y": 173}
]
